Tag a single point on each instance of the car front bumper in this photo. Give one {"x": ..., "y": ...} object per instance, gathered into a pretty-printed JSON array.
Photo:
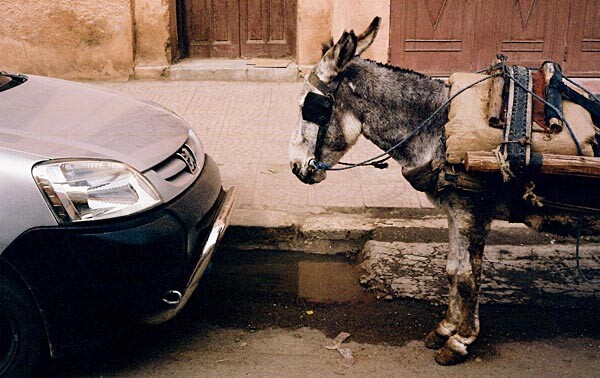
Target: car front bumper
[
  {"x": 98, "y": 278},
  {"x": 178, "y": 299}
]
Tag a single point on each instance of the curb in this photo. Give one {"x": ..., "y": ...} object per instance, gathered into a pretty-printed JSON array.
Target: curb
[
  {"x": 397, "y": 253},
  {"x": 346, "y": 230}
]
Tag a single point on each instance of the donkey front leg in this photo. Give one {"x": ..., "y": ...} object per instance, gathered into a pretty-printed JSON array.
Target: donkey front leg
[
  {"x": 468, "y": 232},
  {"x": 438, "y": 336}
]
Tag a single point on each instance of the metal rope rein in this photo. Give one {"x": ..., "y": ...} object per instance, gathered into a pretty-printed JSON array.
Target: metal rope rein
[
  {"x": 379, "y": 164},
  {"x": 403, "y": 142}
]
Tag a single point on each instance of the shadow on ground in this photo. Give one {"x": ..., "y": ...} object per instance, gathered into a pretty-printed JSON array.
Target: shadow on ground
[{"x": 229, "y": 300}]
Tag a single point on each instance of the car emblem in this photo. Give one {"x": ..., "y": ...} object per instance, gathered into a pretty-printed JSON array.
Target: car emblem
[{"x": 188, "y": 158}]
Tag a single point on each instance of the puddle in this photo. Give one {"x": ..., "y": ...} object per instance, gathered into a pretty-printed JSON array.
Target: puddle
[
  {"x": 314, "y": 278},
  {"x": 257, "y": 290}
]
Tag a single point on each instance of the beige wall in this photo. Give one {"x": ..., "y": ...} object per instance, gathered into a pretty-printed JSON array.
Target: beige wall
[
  {"x": 357, "y": 15},
  {"x": 153, "y": 32},
  {"x": 318, "y": 20},
  {"x": 112, "y": 39},
  {"x": 69, "y": 39},
  {"x": 313, "y": 29}
]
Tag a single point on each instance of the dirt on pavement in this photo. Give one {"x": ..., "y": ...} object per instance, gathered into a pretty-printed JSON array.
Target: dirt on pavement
[{"x": 233, "y": 329}]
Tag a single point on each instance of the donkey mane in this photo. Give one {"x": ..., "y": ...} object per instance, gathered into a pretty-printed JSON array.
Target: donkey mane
[{"x": 399, "y": 69}]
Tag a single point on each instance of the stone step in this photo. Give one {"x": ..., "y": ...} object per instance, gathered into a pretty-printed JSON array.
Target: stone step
[
  {"x": 345, "y": 231},
  {"x": 231, "y": 70},
  {"x": 540, "y": 274}
]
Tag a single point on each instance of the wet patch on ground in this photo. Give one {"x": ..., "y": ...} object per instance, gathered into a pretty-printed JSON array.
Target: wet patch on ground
[
  {"x": 230, "y": 298},
  {"x": 238, "y": 296}
]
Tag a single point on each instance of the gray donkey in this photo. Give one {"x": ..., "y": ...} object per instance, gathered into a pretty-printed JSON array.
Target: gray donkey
[{"x": 346, "y": 96}]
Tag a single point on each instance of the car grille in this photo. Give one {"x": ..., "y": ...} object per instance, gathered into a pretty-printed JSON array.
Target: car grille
[{"x": 181, "y": 167}]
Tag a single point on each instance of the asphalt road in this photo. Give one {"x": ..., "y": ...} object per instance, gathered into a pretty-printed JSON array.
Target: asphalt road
[{"x": 239, "y": 326}]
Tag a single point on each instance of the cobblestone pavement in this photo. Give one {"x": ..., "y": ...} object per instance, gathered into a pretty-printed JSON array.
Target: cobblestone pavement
[{"x": 246, "y": 127}]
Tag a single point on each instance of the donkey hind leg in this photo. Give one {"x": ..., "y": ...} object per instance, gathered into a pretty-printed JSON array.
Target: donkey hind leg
[{"x": 464, "y": 266}]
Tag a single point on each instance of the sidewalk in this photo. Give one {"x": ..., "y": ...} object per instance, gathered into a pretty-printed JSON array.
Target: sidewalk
[
  {"x": 365, "y": 212},
  {"x": 246, "y": 126}
]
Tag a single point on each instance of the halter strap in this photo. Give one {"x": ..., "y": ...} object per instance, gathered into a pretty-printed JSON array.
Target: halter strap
[{"x": 316, "y": 82}]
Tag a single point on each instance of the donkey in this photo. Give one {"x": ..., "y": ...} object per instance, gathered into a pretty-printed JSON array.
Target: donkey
[{"x": 385, "y": 104}]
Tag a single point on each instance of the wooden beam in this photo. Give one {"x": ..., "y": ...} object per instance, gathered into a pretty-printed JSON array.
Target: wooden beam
[{"x": 479, "y": 161}]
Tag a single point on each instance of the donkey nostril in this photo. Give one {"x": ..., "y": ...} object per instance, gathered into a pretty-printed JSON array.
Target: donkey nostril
[{"x": 296, "y": 168}]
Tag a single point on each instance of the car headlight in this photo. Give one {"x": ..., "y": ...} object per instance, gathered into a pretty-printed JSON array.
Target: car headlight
[{"x": 84, "y": 190}]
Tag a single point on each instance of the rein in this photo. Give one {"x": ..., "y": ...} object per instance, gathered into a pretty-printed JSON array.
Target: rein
[{"x": 318, "y": 109}]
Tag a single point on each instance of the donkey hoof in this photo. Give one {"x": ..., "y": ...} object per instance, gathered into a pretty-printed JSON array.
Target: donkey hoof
[
  {"x": 433, "y": 340},
  {"x": 447, "y": 357}
]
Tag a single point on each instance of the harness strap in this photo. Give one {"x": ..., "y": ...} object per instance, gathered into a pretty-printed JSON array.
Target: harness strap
[
  {"x": 314, "y": 80},
  {"x": 516, "y": 147}
]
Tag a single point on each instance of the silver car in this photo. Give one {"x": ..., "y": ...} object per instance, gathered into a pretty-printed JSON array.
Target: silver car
[{"x": 110, "y": 213}]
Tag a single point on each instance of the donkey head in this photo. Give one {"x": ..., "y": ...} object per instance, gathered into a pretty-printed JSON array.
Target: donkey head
[{"x": 324, "y": 132}]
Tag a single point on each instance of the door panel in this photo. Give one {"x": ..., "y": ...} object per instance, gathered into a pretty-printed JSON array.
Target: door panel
[
  {"x": 267, "y": 28},
  {"x": 241, "y": 28},
  {"x": 213, "y": 28},
  {"x": 528, "y": 31},
  {"x": 434, "y": 36},
  {"x": 583, "y": 38},
  {"x": 445, "y": 36}
]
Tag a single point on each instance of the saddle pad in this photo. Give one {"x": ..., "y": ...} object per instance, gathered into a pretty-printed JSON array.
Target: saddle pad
[{"x": 468, "y": 126}]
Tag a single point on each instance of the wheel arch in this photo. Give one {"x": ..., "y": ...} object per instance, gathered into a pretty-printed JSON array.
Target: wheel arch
[{"x": 9, "y": 271}]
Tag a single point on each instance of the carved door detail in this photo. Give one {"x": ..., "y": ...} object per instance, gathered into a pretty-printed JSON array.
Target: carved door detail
[
  {"x": 583, "y": 39},
  {"x": 268, "y": 28},
  {"x": 435, "y": 36},
  {"x": 445, "y": 36},
  {"x": 527, "y": 31},
  {"x": 241, "y": 28},
  {"x": 213, "y": 28}
]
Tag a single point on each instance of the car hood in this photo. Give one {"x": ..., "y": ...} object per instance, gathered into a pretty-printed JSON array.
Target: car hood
[{"x": 54, "y": 118}]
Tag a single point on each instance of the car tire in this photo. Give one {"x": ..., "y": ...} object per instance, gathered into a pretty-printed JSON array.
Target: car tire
[{"x": 23, "y": 346}]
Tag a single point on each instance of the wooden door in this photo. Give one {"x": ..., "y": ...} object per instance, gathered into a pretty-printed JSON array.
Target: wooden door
[
  {"x": 241, "y": 28},
  {"x": 439, "y": 37},
  {"x": 433, "y": 36},
  {"x": 582, "y": 52},
  {"x": 267, "y": 28},
  {"x": 528, "y": 32},
  {"x": 213, "y": 28}
]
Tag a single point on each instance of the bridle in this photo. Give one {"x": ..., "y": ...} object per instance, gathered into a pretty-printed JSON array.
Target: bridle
[{"x": 317, "y": 109}]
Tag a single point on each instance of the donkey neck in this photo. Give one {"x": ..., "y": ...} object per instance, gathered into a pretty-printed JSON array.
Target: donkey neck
[{"x": 390, "y": 103}]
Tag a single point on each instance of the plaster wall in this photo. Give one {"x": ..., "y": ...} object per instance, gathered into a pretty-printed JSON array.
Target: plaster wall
[
  {"x": 318, "y": 20},
  {"x": 313, "y": 29},
  {"x": 70, "y": 39},
  {"x": 357, "y": 15},
  {"x": 153, "y": 28}
]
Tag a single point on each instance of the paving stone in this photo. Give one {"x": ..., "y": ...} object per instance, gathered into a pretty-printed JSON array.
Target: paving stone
[{"x": 245, "y": 126}]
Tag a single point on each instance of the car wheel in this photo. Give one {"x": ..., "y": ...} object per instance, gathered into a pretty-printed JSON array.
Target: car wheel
[{"x": 22, "y": 337}]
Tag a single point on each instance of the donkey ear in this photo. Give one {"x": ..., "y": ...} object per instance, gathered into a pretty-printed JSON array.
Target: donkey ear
[
  {"x": 368, "y": 36},
  {"x": 344, "y": 50}
]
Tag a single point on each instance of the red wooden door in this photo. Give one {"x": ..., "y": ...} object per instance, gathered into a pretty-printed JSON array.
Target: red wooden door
[
  {"x": 583, "y": 39},
  {"x": 433, "y": 36},
  {"x": 241, "y": 28},
  {"x": 529, "y": 32},
  {"x": 444, "y": 36},
  {"x": 267, "y": 28}
]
